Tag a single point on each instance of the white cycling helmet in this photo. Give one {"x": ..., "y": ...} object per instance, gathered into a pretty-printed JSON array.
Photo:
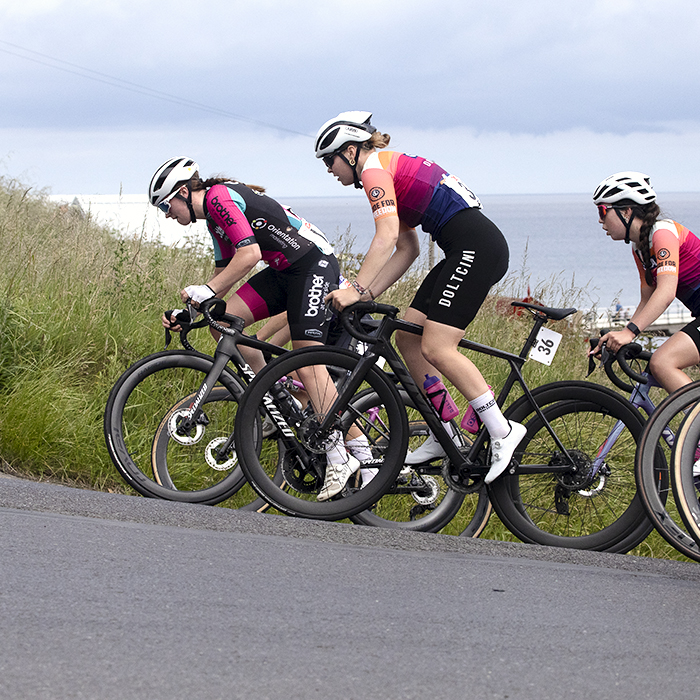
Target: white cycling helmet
[
  {"x": 628, "y": 185},
  {"x": 172, "y": 174},
  {"x": 347, "y": 127}
]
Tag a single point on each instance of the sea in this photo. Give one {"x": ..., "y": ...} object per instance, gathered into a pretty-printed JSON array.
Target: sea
[{"x": 557, "y": 247}]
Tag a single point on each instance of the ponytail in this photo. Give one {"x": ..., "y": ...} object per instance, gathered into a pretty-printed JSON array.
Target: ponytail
[
  {"x": 649, "y": 214},
  {"x": 196, "y": 183}
]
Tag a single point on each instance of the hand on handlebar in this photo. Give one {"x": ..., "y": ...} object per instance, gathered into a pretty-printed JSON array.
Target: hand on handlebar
[
  {"x": 614, "y": 340},
  {"x": 342, "y": 298},
  {"x": 197, "y": 293}
]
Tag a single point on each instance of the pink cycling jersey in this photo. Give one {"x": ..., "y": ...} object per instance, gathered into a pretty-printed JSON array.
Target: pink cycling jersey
[
  {"x": 237, "y": 216},
  {"x": 674, "y": 251},
  {"x": 416, "y": 190}
]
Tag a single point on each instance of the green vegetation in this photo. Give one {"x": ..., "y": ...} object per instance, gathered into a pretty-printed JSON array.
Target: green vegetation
[{"x": 81, "y": 303}]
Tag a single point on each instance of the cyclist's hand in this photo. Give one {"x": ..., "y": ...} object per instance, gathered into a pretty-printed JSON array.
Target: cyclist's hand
[
  {"x": 171, "y": 319},
  {"x": 614, "y": 340},
  {"x": 197, "y": 293},
  {"x": 340, "y": 298}
]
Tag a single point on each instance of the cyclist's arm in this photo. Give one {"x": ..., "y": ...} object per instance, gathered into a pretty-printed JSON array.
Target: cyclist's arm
[
  {"x": 245, "y": 259},
  {"x": 379, "y": 188},
  {"x": 647, "y": 312},
  {"x": 407, "y": 250}
]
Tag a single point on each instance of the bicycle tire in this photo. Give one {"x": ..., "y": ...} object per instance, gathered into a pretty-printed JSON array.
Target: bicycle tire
[
  {"x": 134, "y": 414},
  {"x": 684, "y": 483},
  {"x": 653, "y": 474},
  {"x": 420, "y": 500},
  {"x": 297, "y": 495},
  {"x": 578, "y": 510}
]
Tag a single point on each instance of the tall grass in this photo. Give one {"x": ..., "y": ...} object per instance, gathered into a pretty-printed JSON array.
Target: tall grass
[{"x": 81, "y": 303}]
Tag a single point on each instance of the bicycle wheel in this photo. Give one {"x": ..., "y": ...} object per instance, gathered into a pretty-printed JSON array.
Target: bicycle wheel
[
  {"x": 300, "y": 449},
  {"x": 654, "y": 454},
  {"x": 685, "y": 484},
  {"x": 140, "y": 429},
  {"x": 592, "y": 506},
  {"x": 420, "y": 499},
  {"x": 172, "y": 464}
]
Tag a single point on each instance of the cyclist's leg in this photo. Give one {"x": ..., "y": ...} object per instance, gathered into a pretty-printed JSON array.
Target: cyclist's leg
[
  {"x": 256, "y": 300},
  {"x": 308, "y": 283},
  {"x": 678, "y": 352}
]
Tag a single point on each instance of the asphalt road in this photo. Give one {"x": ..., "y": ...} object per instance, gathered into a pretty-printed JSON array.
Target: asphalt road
[{"x": 109, "y": 596}]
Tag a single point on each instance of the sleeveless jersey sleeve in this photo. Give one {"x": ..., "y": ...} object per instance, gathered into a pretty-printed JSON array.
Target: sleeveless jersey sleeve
[
  {"x": 665, "y": 245},
  {"x": 227, "y": 216},
  {"x": 378, "y": 183}
]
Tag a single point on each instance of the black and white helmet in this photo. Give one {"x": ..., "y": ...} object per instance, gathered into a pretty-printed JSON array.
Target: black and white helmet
[
  {"x": 170, "y": 176},
  {"x": 347, "y": 127},
  {"x": 628, "y": 185}
]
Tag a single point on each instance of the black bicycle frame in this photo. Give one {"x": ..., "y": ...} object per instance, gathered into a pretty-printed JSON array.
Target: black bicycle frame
[{"x": 381, "y": 347}]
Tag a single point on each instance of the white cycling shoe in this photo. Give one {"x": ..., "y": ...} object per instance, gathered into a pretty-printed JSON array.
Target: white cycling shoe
[
  {"x": 430, "y": 450},
  {"x": 502, "y": 450},
  {"x": 337, "y": 476}
]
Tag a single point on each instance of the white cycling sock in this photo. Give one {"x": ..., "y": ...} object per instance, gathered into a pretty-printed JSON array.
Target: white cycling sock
[
  {"x": 490, "y": 414},
  {"x": 337, "y": 454},
  {"x": 359, "y": 448}
]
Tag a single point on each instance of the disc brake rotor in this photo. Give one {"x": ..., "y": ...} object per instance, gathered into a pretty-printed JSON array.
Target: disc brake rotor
[
  {"x": 309, "y": 436},
  {"x": 211, "y": 455},
  {"x": 425, "y": 483},
  {"x": 183, "y": 439}
]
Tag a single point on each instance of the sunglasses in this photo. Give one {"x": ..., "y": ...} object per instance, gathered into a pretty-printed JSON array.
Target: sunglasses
[
  {"x": 329, "y": 160},
  {"x": 603, "y": 209},
  {"x": 164, "y": 206}
]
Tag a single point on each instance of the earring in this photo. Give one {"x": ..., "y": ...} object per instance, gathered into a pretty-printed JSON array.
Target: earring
[{"x": 352, "y": 162}]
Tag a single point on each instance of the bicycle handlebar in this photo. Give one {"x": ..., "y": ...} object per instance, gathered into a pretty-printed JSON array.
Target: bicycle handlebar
[
  {"x": 631, "y": 351},
  {"x": 214, "y": 310},
  {"x": 359, "y": 309}
]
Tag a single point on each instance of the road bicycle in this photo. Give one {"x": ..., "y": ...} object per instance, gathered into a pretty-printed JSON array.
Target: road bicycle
[
  {"x": 170, "y": 413},
  {"x": 653, "y": 474},
  {"x": 169, "y": 421},
  {"x": 571, "y": 482}
]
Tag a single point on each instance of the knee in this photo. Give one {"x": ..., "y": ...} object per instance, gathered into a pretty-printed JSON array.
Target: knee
[{"x": 434, "y": 353}]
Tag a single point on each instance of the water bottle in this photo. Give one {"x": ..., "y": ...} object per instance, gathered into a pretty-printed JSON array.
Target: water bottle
[
  {"x": 470, "y": 421},
  {"x": 435, "y": 390}
]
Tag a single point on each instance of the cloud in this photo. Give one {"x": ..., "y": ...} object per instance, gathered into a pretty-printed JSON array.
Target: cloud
[
  {"x": 111, "y": 160},
  {"x": 533, "y": 67}
]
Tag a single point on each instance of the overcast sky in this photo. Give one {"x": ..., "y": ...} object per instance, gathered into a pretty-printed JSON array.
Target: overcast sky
[{"x": 541, "y": 96}]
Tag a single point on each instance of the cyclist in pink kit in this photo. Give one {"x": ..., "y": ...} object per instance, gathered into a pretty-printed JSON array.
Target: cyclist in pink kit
[
  {"x": 667, "y": 256},
  {"x": 405, "y": 191},
  {"x": 246, "y": 227}
]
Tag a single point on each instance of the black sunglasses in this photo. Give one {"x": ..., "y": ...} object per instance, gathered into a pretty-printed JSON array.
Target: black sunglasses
[{"x": 329, "y": 160}]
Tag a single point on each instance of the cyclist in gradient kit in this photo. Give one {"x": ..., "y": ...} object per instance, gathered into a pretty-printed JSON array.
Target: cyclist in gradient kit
[
  {"x": 667, "y": 256},
  {"x": 405, "y": 191}
]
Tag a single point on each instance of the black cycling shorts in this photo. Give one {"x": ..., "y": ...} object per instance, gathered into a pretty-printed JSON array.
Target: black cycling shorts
[
  {"x": 299, "y": 290},
  {"x": 693, "y": 330},
  {"x": 476, "y": 257}
]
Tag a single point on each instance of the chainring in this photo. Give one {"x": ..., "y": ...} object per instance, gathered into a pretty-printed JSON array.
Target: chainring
[{"x": 300, "y": 478}]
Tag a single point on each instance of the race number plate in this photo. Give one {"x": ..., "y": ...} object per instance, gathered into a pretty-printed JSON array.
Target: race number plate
[{"x": 545, "y": 346}]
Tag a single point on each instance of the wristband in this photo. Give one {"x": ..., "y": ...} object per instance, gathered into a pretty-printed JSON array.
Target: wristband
[
  {"x": 358, "y": 287},
  {"x": 632, "y": 327}
]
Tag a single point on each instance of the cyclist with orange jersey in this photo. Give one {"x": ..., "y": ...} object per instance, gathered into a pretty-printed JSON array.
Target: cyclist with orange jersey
[
  {"x": 667, "y": 255},
  {"x": 405, "y": 191}
]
